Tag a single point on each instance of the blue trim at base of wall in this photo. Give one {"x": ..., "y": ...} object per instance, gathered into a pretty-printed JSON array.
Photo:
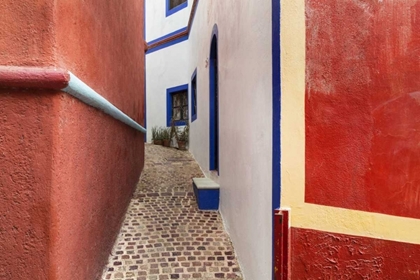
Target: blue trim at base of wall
[
  {"x": 176, "y": 9},
  {"x": 169, "y": 93}
]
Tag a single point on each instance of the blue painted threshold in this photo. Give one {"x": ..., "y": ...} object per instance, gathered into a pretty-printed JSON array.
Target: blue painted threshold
[{"x": 207, "y": 193}]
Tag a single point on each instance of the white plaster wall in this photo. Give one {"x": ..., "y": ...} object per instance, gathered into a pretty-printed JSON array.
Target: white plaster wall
[
  {"x": 245, "y": 98},
  {"x": 165, "y": 68},
  {"x": 158, "y": 25},
  {"x": 245, "y": 93}
]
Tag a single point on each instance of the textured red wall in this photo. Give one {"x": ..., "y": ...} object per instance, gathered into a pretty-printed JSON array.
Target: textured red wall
[
  {"x": 98, "y": 159},
  {"x": 26, "y": 32},
  {"x": 97, "y": 163},
  {"x": 67, "y": 171},
  {"x": 26, "y": 136},
  {"x": 362, "y": 104},
  {"x": 323, "y": 255},
  {"x": 102, "y": 43}
]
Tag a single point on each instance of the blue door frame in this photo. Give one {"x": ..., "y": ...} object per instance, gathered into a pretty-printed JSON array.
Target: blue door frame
[{"x": 214, "y": 103}]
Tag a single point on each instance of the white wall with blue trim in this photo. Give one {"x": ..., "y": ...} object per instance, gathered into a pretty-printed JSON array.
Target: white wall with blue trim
[
  {"x": 166, "y": 68},
  {"x": 245, "y": 114},
  {"x": 158, "y": 24},
  {"x": 245, "y": 122}
]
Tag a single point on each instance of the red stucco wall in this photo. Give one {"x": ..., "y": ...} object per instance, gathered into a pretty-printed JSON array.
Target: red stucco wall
[
  {"x": 102, "y": 43},
  {"x": 324, "y": 255},
  {"x": 26, "y": 32},
  {"x": 67, "y": 171},
  {"x": 96, "y": 167},
  {"x": 362, "y": 104},
  {"x": 26, "y": 136},
  {"x": 26, "y": 129},
  {"x": 362, "y": 121}
]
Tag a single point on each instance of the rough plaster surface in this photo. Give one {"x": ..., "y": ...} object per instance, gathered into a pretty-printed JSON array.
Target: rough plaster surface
[
  {"x": 97, "y": 163},
  {"x": 362, "y": 97},
  {"x": 102, "y": 43},
  {"x": 68, "y": 171},
  {"x": 323, "y": 255},
  {"x": 27, "y": 122},
  {"x": 26, "y": 32}
]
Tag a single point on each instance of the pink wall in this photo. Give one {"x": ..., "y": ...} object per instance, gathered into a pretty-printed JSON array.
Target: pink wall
[{"x": 67, "y": 171}]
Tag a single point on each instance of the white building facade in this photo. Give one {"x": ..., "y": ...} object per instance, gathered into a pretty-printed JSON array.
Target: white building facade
[
  {"x": 306, "y": 101},
  {"x": 223, "y": 58}
]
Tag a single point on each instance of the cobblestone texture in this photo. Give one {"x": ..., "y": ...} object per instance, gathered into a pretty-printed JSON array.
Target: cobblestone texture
[{"x": 164, "y": 235}]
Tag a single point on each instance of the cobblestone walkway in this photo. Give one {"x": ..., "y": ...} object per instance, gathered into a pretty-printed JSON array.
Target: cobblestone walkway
[{"x": 164, "y": 235}]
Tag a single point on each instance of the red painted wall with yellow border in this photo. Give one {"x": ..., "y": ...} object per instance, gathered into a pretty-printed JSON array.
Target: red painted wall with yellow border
[
  {"x": 361, "y": 143},
  {"x": 362, "y": 104}
]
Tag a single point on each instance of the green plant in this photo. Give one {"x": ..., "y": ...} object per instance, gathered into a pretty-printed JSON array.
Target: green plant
[
  {"x": 155, "y": 133},
  {"x": 158, "y": 134},
  {"x": 165, "y": 133},
  {"x": 161, "y": 133}
]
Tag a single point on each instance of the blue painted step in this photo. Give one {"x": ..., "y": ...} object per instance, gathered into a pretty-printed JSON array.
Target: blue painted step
[{"x": 207, "y": 193}]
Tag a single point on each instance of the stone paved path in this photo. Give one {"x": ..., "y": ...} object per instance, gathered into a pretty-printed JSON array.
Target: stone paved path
[{"x": 164, "y": 235}]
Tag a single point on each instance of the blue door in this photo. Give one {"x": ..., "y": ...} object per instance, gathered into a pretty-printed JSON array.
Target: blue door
[{"x": 214, "y": 107}]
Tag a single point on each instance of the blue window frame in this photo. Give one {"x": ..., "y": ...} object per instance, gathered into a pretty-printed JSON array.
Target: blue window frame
[
  {"x": 173, "y": 6},
  {"x": 194, "y": 96},
  {"x": 177, "y": 105}
]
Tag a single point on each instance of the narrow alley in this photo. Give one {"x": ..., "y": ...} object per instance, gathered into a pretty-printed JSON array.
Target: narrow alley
[
  {"x": 300, "y": 119},
  {"x": 164, "y": 235}
]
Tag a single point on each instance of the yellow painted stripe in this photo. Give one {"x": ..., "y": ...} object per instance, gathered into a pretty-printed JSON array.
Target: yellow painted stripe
[
  {"x": 367, "y": 224},
  {"x": 304, "y": 215},
  {"x": 293, "y": 104}
]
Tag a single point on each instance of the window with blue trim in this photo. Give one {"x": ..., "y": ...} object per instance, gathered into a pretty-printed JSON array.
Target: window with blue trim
[
  {"x": 177, "y": 105},
  {"x": 194, "y": 96},
  {"x": 173, "y": 6}
]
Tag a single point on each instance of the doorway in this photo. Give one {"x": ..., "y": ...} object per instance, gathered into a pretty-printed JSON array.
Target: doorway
[{"x": 214, "y": 106}]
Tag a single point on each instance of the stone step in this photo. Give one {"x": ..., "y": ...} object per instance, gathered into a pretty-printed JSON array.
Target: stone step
[{"x": 207, "y": 193}]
